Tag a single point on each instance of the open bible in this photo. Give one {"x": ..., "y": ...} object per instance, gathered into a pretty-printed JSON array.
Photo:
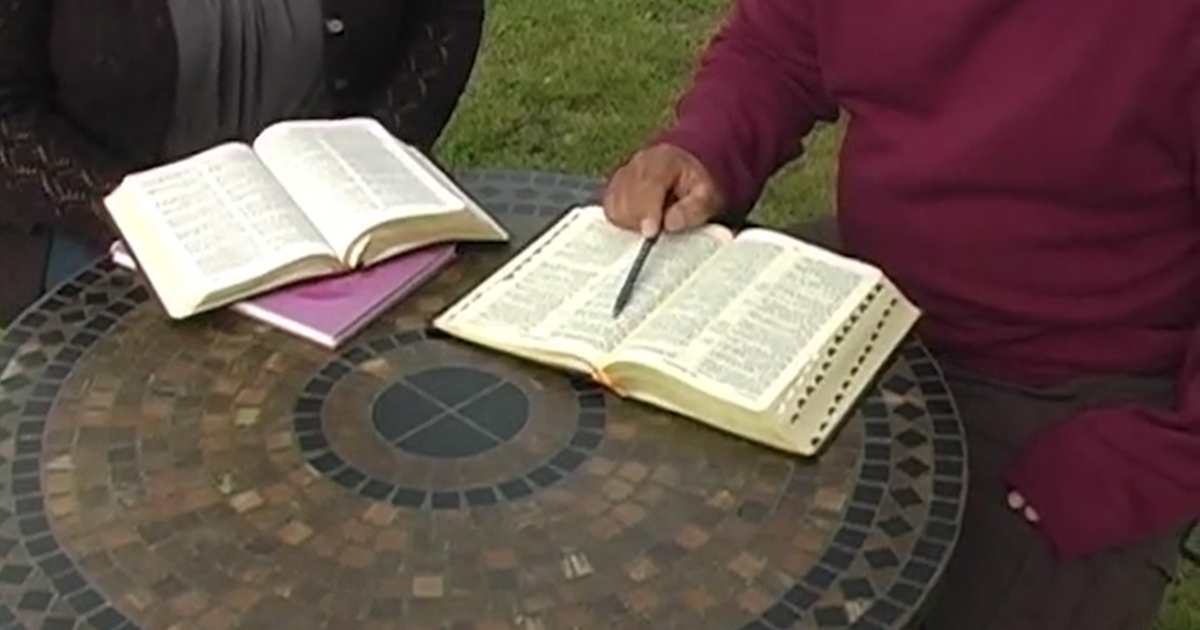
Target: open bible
[
  {"x": 758, "y": 334},
  {"x": 307, "y": 199}
]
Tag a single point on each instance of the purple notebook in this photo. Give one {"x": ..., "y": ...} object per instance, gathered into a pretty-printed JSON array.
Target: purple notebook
[{"x": 329, "y": 311}]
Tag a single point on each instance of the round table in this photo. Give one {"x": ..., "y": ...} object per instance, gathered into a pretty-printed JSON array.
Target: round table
[{"x": 217, "y": 474}]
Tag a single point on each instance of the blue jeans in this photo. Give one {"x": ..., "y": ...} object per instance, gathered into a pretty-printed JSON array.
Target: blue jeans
[{"x": 68, "y": 256}]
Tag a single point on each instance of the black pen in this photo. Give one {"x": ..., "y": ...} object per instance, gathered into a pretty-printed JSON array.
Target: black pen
[{"x": 627, "y": 288}]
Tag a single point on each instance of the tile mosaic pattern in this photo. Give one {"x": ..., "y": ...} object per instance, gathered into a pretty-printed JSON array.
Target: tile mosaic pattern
[{"x": 215, "y": 474}]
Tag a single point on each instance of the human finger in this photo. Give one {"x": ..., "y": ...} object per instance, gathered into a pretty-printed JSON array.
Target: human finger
[
  {"x": 634, "y": 199},
  {"x": 694, "y": 208}
]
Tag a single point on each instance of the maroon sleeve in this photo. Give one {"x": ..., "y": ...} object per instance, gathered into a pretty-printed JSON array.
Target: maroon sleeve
[
  {"x": 50, "y": 173},
  {"x": 756, "y": 93},
  {"x": 1111, "y": 476}
]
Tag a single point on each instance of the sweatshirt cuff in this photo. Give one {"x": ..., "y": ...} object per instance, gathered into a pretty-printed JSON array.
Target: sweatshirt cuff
[{"x": 1065, "y": 477}]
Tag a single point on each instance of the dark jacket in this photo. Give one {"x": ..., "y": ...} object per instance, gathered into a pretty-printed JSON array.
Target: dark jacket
[{"x": 87, "y": 92}]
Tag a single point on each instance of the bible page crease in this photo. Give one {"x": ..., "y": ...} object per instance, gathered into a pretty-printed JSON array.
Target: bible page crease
[
  {"x": 228, "y": 218},
  {"x": 349, "y": 178}
]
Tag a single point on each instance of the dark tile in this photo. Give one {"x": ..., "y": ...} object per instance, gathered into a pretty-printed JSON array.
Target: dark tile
[
  {"x": 877, "y": 430},
  {"x": 906, "y": 497},
  {"x": 896, "y": 526},
  {"x": 801, "y": 597},
  {"x": 913, "y": 467},
  {"x": 593, "y": 419},
  {"x": 107, "y": 618},
  {"x": 41, "y": 546},
  {"x": 334, "y": 371},
  {"x": 446, "y": 500},
  {"x": 875, "y": 472},
  {"x": 14, "y": 574},
  {"x": 357, "y": 356},
  {"x": 34, "y": 525},
  {"x": 85, "y": 602},
  {"x": 586, "y": 440},
  {"x": 55, "y": 564},
  {"x": 544, "y": 476},
  {"x": 480, "y": 496},
  {"x": 413, "y": 336},
  {"x": 568, "y": 460},
  {"x": 911, "y": 438},
  {"x": 348, "y": 478},
  {"x": 35, "y": 600},
  {"x": 594, "y": 400},
  {"x": 861, "y": 517},
  {"x": 382, "y": 345},
  {"x": 945, "y": 510},
  {"x": 948, "y": 467},
  {"x": 378, "y": 490},
  {"x": 309, "y": 406},
  {"x": 919, "y": 572},
  {"x": 830, "y": 617},
  {"x": 944, "y": 532},
  {"x": 881, "y": 558},
  {"x": 399, "y": 411},
  {"x": 947, "y": 489},
  {"x": 312, "y": 442},
  {"x": 447, "y": 437},
  {"x": 58, "y": 623},
  {"x": 326, "y": 463},
  {"x": 850, "y": 538},
  {"x": 909, "y": 411},
  {"x": 500, "y": 413},
  {"x": 407, "y": 497},
  {"x": 307, "y": 424},
  {"x": 515, "y": 489},
  {"x": 857, "y": 588},
  {"x": 928, "y": 550},
  {"x": 68, "y": 583},
  {"x": 905, "y": 593},
  {"x": 836, "y": 558},
  {"x": 452, "y": 385},
  {"x": 899, "y": 384},
  {"x": 820, "y": 578},
  {"x": 27, "y": 486},
  {"x": 885, "y": 612},
  {"x": 27, "y": 465},
  {"x": 877, "y": 451}
]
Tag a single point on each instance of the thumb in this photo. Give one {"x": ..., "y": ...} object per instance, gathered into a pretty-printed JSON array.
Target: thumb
[
  {"x": 651, "y": 224},
  {"x": 693, "y": 209}
]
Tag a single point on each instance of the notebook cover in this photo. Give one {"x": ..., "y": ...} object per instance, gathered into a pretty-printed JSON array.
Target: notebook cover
[{"x": 328, "y": 311}]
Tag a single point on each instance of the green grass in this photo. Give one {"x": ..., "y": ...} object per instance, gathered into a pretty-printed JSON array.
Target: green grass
[{"x": 574, "y": 86}]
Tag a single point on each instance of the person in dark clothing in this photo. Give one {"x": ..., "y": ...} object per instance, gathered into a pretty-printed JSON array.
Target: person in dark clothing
[
  {"x": 91, "y": 91},
  {"x": 1029, "y": 174}
]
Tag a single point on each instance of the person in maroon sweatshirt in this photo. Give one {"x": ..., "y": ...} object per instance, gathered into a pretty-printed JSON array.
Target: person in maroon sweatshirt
[{"x": 1028, "y": 172}]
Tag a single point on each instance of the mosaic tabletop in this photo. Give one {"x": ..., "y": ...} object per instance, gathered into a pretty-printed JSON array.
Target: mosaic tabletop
[{"x": 216, "y": 474}]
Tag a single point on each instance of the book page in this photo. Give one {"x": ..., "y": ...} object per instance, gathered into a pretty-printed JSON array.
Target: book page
[
  {"x": 559, "y": 293},
  {"x": 751, "y": 317},
  {"x": 350, "y": 176},
  {"x": 228, "y": 219}
]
